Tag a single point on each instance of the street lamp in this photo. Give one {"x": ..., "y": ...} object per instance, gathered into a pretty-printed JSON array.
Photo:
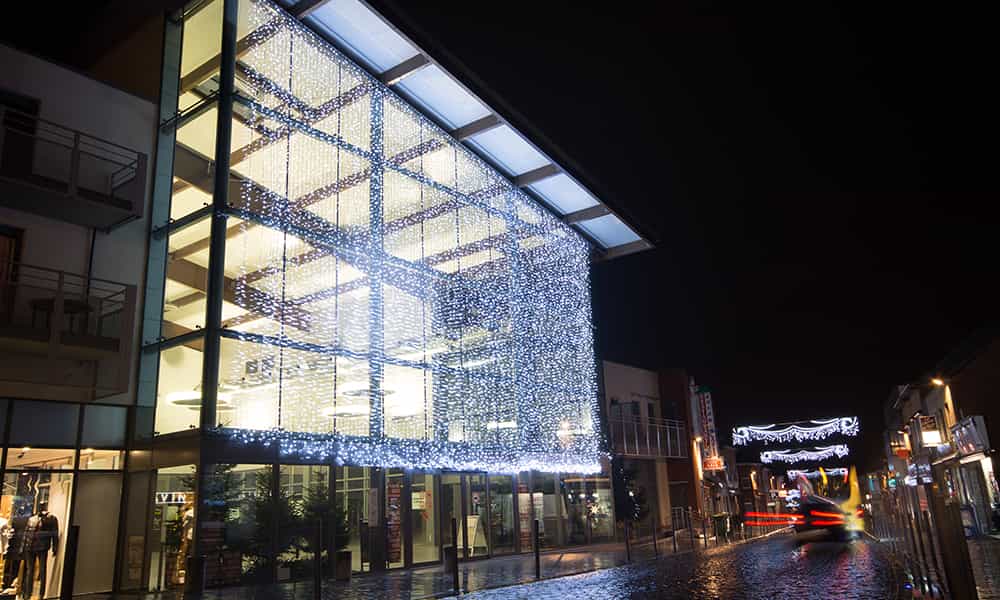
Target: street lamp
[{"x": 937, "y": 381}]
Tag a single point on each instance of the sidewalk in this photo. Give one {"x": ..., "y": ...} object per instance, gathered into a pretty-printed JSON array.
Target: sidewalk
[
  {"x": 984, "y": 554},
  {"x": 434, "y": 582}
]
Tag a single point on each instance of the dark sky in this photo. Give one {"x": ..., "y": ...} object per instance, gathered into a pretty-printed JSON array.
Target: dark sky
[{"x": 820, "y": 181}]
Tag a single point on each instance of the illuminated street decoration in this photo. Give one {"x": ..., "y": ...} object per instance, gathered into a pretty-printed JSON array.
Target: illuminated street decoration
[
  {"x": 410, "y": 307},
  {"x": 794, "y": 456},
  {"x": 836, "y": 472},
  {"x": 813, "y": 431}
]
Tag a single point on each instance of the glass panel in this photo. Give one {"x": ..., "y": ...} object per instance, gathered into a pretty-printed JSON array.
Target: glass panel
[
  {"x": 239, "y": 523},
  {"x": 564, "y": 194},
  {"x": 408, "y": 404},
  {"x": 546, "y": 502},
  {"x": 476, "y": 516},
  {"x": 525, "y": 513},
  {"x": 451, "y": 508},
  {"x": 303, "y": 501},
  {"x": 178, "y": 394},
  {"x": 423, "y": 516},
  {"x": 609, "y": 231},
  {"x": 394, "y": 517},
  {"x": 40, "y": 458},
  {"x": 171, "y": 528},
  {"x": 354, "y": 493},
  {"x": 102, "y": 459},
  {"x": 502, "y": 513},
  {"x": 601, "y": 510},
  {"x": 104, "y": 426},
  {"x": 98, "y": 500},
  {"x": 36, "y": 505},
  {"x": 3, "y": 417},
  {"x": 438, "y": 93},
  {"x": 186, "y": 279},
  {"x": 44, "y": 424},
  {"x": 578, "y": 502}
]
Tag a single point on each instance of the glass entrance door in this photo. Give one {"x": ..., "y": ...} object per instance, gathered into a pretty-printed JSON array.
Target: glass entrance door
[{"x": 465, "y": 497}]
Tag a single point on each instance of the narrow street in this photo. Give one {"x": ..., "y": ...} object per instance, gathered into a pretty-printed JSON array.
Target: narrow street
[{"x": 782, "y": 566}]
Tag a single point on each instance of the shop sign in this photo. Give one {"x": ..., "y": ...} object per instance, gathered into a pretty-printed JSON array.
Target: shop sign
[
  {"x": 172, "y": 497},
  {"x": 418, "y": 501},
  {"x": 970, "y": 436},
  {"x": 714, "y": 463},
  {"x": 930, "y": 435}
]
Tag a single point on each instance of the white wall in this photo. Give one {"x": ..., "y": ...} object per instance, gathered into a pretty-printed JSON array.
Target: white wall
[
  {"x": 631, "y": 384},
  {"x": 79, "y": 102}
]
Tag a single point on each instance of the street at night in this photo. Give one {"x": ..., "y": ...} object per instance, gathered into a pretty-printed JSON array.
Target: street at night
[{"x": 781, "y": 566}]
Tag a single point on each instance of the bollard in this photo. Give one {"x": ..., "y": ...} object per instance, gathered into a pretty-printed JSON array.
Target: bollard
[
  {"x": 656, "y": 549},
  {"x": 536, "y": 538},
  {"x": 318, "y": 560},
  {"x": 674, "y": 536},
  {"x": 69, "y": 563},
  {"x": 704, "y": 531},
  {"x": 455, "y": 584},
  {"x": 628, "y": 542}
]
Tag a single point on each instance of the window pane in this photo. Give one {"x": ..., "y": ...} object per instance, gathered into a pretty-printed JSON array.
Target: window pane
[
  {"x": 104, "y": 426},
  {"x": 44, "y": 424},
  {"x": 40, "y": 458},
  {"x": 111, "y": 460},
  {"x": 178, "y": 395}
]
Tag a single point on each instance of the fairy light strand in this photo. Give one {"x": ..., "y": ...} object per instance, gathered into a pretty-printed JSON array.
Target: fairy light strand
[{"x": 816, "y": 430}]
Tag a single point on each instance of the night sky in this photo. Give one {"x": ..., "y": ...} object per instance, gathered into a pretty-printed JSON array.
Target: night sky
[{"x": 819, "y": 182}]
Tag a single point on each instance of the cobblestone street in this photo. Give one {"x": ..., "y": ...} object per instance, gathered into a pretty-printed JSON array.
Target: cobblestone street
[{"x": 783, "y": 566}]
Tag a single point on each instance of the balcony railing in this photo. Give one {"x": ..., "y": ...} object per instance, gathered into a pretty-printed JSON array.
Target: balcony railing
[
  {"x": 664, "y": 438},
  {"x": 57, "y": 314},
  {"x": 67, "y": 174}
]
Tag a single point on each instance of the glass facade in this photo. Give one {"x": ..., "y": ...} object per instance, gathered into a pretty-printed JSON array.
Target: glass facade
[
  {"x": 380, "y": 282},
  {"x": 374, "y": 334}
]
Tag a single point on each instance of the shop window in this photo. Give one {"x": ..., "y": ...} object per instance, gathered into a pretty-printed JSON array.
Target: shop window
[
  {"x": 44, "y": 424},
  {"x": 104, "y": 426},
  {"x": 238, "y": 497},
  {"x": 34, "y": 510},
  {"x": 28, "y": 457},
  {"x": 304, "y": 500},
  {"x": 423, "y": 516},
  {"x": 394, "y": 517},
  {"x": 502, "y": 513},
  {"x": 106, "y": 460},
  {"x": 354, "y": 494},
  {"x": 171, "y": 528}
]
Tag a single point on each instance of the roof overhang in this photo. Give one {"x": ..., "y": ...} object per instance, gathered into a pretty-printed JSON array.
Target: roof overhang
[{"x": 378, "y": 45}]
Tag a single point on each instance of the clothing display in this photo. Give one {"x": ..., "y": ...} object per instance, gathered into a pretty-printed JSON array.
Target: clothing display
[
  {"x": 12, "y": 556},
  {"x": 41, "y": 534}
]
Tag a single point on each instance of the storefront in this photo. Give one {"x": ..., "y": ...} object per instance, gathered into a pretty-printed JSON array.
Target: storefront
[
  {"x": 972, "y": 477},
  {"x": 62, "y": 465}
]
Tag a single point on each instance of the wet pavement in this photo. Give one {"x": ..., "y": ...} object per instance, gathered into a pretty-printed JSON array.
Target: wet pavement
[{"x": 781, "y": 566}]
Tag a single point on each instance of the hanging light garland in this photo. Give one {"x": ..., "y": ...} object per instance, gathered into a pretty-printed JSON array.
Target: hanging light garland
[
  {"x": 794, "y": 456},
  {"x": 835, "y": 472},
  {"x": 815, "y": 430},
  {"x": 403, "y": 304}
]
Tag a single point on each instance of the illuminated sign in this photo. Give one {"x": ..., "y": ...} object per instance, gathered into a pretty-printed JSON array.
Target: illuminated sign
[
  {"x": 172, "y": 497},
  {"x": 714, "y": 463}
]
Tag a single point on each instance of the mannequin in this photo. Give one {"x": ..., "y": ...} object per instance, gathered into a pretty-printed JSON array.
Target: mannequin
[
  {"x": 41, "y": 534},
  {"x": 12, "y": 556}
]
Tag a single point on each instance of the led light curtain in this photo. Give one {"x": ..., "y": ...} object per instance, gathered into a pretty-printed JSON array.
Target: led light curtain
[{"x": 394, "y": 301}]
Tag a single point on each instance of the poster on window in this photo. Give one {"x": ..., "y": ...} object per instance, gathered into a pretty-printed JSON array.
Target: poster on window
[
  {"x": 524, "y": 516},
  {"x": 394, "y": 545}
]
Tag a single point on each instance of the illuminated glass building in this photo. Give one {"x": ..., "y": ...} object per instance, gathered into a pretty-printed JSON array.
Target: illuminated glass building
[{"x": 366, "y": 300}]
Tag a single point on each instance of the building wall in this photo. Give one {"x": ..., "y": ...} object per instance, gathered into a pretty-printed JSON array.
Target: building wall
[{"x": 78, "y": 102}]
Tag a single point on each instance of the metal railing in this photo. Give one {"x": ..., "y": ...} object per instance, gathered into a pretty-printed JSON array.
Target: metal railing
[
  {"x": 648, "y": 437},
  {"x": 66, "y": 314},
  {"x": 49, "y": 155}
]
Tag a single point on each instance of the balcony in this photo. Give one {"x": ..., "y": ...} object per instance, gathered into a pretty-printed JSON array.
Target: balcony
[
  {"x": 64, "y": 174},
  {"x": 648, "y": 438},
  {"x": 63, "y": 335}
]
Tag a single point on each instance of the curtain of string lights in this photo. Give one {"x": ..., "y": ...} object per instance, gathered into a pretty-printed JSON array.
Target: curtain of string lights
[
  {"x": 794, "y": 456},
  {"x": 404, "y": 305},
  {"x": 806, "y": 431}
]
